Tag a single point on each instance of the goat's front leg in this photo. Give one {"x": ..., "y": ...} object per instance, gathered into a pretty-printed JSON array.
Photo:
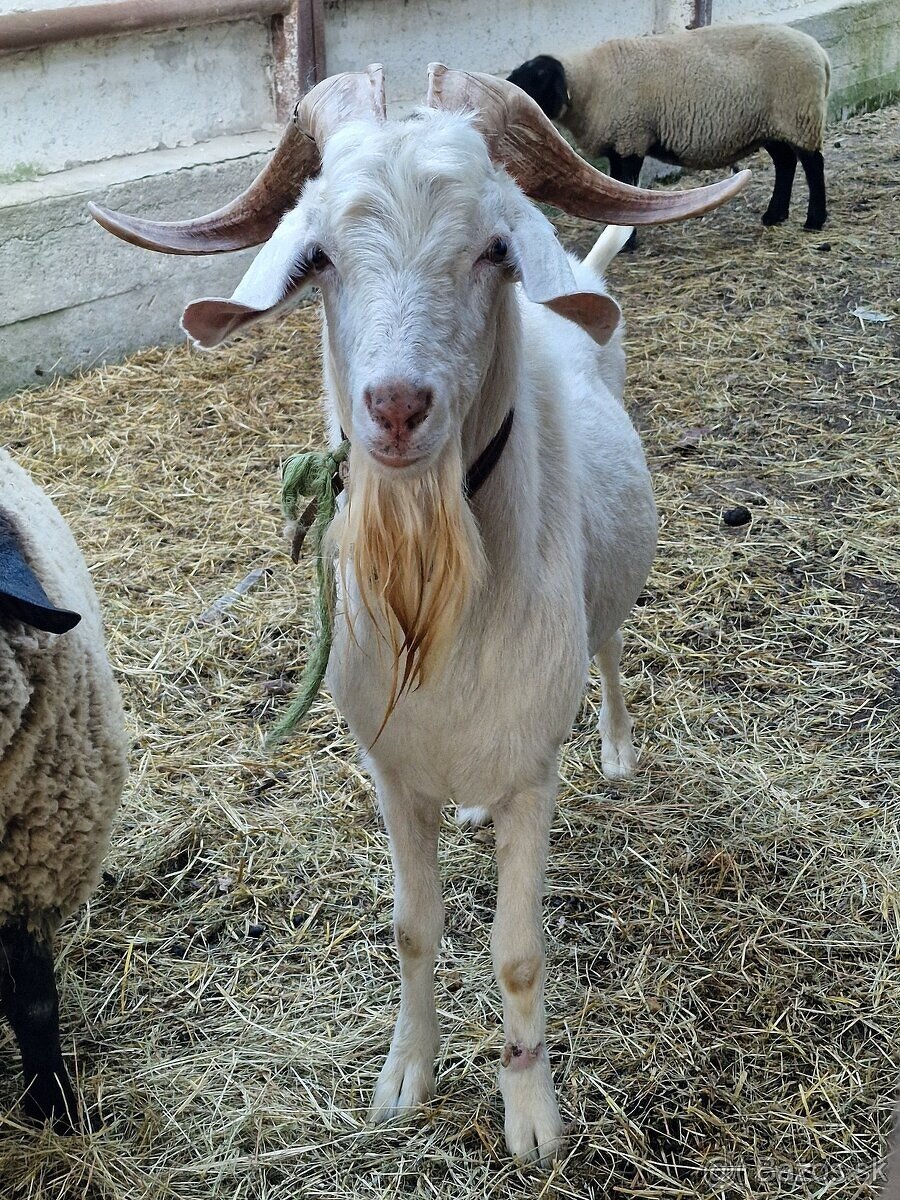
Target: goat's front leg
[
  {"x": 407, "y": 1077},
  {"x": 521, "y": 826}
]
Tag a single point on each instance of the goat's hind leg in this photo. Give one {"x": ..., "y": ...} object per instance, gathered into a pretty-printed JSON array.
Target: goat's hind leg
[
  {"x": 407, "y": 1077},
  {"x": 29, "y": 1000},
  {"x": 617, "y": 757},
  {"x": 532, "y": 1122}
]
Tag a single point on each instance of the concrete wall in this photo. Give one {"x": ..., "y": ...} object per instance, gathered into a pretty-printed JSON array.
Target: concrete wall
[
  {"x": 172, "y": 124},
  {"x": 111, "y": 97},
  {"x": 73, "y": 297},
  {"x": 863, "y": 43},
  {"x": 167, "y": 124},
  {"x": 735, "y": 12},
  {"x": 16, "y": 6}
]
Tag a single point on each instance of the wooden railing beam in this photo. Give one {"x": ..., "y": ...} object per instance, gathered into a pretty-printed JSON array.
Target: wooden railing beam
[{"x": 51, "y": 26}]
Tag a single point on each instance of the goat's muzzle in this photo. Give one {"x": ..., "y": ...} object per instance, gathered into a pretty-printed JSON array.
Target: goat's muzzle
[{"x": 397, "y": 408}]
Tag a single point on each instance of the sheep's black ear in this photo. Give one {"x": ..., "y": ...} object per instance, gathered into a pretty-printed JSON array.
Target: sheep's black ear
[
  {"x": 544, "y": 80},
  {"x": 21, "y": 596}
]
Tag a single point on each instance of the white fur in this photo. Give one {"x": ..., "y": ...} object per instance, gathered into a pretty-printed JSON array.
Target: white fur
[{"x": 567, "y": 521}]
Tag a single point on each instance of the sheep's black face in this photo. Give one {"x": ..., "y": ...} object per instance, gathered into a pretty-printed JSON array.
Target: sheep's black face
[{"x": 544, "y": 80}]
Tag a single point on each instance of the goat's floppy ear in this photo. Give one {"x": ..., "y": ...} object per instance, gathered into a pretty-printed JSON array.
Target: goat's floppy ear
[
  {"x": 211, "y": 321},
  {"x": 547, "y": 277},
  {"x": 275, "y": 281}
]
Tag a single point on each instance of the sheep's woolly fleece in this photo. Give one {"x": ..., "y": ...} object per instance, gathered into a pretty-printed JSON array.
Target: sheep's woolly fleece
[
  {"x": 706, "y": 95},
  {"x": 62, "y": 738},
  {"x": 723, "y": 992}
]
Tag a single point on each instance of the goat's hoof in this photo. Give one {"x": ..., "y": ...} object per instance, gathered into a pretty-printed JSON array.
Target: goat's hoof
[
  {"x": 617, "y": 757},
  {"x": 619, "y": 766},
  {"x": 533, "y": 1125},
  {"x": 815, "y": 222},
  {"x": 406, "y": 1083},
  {"x": 774, "y": 218}
]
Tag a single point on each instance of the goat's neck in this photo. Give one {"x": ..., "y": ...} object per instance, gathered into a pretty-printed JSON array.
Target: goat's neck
[
  {"x": 499, "y": 388},
  {"x": 505, "y": 506}
]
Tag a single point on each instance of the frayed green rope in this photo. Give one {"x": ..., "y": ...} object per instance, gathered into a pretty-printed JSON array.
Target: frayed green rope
[{"x": 314, "y": 474}]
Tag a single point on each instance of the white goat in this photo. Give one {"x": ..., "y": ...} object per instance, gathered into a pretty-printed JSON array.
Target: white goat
[{"x": 471, "y": 619}]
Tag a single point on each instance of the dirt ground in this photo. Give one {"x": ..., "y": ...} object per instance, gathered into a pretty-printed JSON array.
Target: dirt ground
[{"x": 723, "y": 994}]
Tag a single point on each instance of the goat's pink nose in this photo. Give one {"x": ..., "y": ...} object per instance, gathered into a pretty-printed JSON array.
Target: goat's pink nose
[{"x": 398, "y": 407}]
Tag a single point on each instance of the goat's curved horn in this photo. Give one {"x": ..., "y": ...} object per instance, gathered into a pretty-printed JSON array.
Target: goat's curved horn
[
  {"x": 545, "y": 166},
  {"x": 253, "y": 216}
]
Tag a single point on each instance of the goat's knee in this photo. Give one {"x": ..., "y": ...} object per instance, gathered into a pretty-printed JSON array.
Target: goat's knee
[
  {"x": 519, "y": 976},
  {"x": 418, "y": 924},
  {"x": 412, "y": 943}
]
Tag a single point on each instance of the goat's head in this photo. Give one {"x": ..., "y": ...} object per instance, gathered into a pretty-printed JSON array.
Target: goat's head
[
  {"x": 411, "y": 230},
  {"x": 410, "y": 233}
]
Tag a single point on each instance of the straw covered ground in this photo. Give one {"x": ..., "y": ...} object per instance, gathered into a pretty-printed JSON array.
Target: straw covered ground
[{"x": 723, "y": 990}]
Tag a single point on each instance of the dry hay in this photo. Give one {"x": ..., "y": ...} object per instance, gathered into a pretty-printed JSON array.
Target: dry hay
[{"x": 723, "y": 985}]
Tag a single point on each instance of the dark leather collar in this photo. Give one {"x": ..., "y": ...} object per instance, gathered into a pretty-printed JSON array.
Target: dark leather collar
[{"x": 488, "y": 458}]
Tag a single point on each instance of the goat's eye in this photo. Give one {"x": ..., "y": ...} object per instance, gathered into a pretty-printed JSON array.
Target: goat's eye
[
  {"x": 496, "y": 251},
  {"x": 317, "y": 259}
]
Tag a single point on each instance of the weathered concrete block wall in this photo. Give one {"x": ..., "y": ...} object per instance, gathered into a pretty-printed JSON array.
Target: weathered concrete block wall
[
  {"x": 72, "y": 298},
  {"x": 110, "y": 97},
  {"x": 481, "y": 35},
  {"x": 173, "y": 123},
  {"x": 862, "y": 40},
  {"x": 166, "y": 123},
  {"x": 863, "y": 43}
]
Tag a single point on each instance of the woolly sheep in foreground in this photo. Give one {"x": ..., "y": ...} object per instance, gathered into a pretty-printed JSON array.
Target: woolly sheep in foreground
[
  {"x": 471, "y": 618},
  {"x": 62, "y": 768},
  {"x": 701, "y": 98}
]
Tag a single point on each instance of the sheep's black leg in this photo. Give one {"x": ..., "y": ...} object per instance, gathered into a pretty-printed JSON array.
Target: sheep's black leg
[
  {"x": 814, "y": 169},
  {"x": 785, "y": 159},
  {"x": 627, "y": 169},
  {"x": 29, "y": 1000}
]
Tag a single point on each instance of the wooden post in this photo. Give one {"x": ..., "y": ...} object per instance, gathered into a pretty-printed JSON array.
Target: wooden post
[
  {"x": 672, "y": 15},
  {"x": 311, "y": 42},
  {"x": 702, "y": 14},
  {"x": 298, "y": 43}
]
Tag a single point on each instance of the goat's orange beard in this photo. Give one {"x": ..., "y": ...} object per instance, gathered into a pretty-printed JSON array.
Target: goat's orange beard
[{"x": 417, "y": 559}]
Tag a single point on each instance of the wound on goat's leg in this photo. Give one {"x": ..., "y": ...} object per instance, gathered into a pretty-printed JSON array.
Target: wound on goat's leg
[
  {"x": 519, "y": 1058},
  {"x": 531, "y": 1116}
]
